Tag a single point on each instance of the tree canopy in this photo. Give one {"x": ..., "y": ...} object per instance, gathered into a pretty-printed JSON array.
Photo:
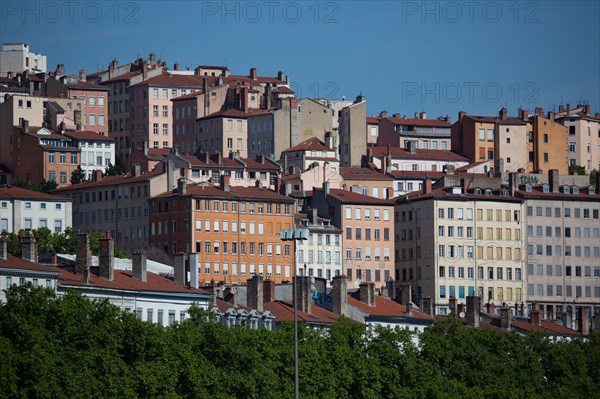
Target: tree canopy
[{"x": 72, "y": 347}]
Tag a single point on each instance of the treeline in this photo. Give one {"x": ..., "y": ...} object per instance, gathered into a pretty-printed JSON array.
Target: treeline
[
  {"x": 49, "y": 242},
  {"x": 71, "y": 347}
]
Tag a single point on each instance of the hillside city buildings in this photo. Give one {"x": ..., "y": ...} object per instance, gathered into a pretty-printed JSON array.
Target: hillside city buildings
[{"x": 399, "y": 219}]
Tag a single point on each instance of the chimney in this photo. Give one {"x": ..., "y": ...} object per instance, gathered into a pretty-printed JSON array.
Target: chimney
[
  {"x": 144, "y": 70},
  {"x": 253, "y": 73},
  {"x": 258, "y": 183},
  {"x": 539, "y": 111},
  {"x": 193, "y": 260},
  {"x": 224, "y": 183},
  {"x": 82, "y": 75},
  {"x": 182, "y": 186},
  {"x": 536, "y": 317},
  {"x": 473, "y": 307},
  {"x": 176, "y": 66},
  {"x": 426, "y": 186},
  {"x": 9, "y": 75},
  {"x": 83, "y": 257},
  {"x": 303, "y": 294},
  {"x": 490, "y": 308},
  {"x": 503, "y": 113},
  {"x": 106, "y": 256},
  {"x": 512, "y": 183},
  {"x": 426, "y": 305},
  {"x": 169, "y": 169},
  {"x": 461, "y": 115},
  {"x": 280, "y": 76},
  {"x": 339, "y": 294},
  {"x": 97, "y": 175},
  {"x": 314, "y": 213},
  {"x": 409, "y": 309},
  {"x": 136, "y": 170},
  {"x": 179, "y": 268},
  {"x": 505, "y": 317},
  {"x": 139, "y": 266},
  {"x": 25, "y": 126},
  {"x": 390, "y": 286},
  {"x": 244, "y": 99},
  {"x": 329, "y": 139},
  {"x": 583, "y": 322},
  {"x": 568, "y": 108},
  {"x": 405, "y": 293},
  {"x": 523, "y": 114},
  {"x": 383, "y": 114},
  {"x": 389, "y": 193},
  {"x": 268, "y": 291},
  {"x": 464, "y": 184},
  {"x": 366, "y": 293},
  {"x": 60, "y": 70},
  {"x": 254, "y": 292},
  {"x": 423, "y": 115},
  {"x": 230, "y": 295},
  {"x": 3, "y": 249},
  {"x": 152, "y": 58},
  {"x": 586, "y": 109},
  {"x": 553, "y": 179},
  {"x": 460, "y": 308},
  {"x": 453, "y": 306},
  {"x": 326, "y": 188}
]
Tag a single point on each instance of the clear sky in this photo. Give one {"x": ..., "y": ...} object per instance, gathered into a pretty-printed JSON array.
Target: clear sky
[{"x": 404, "y": 56}]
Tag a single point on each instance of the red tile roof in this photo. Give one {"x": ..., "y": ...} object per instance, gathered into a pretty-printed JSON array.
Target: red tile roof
[
  {"x": 363, "y": 174},
  {"x": 283, "y": 89},
  {"x": 231, "y": 163},
  {"x": 21, "y": 193},
  {"x": 81, "y": 85},
  {"x": 188, "y": 96},
  {"x": 419, "y": 122},
  {"x": 420, "y": 153},
  {"x": 235, "y": 192},
  {"x": 310, "y": 144},
  {"x": 88, "y": 135},
  {"x": 14, "y": 89},
  {"x": 228, "y": 113},
  {"x": 349, "y": 197},
  {"x": 372, "y": 120},
  {"x": 385, "y": 307},
  {"x": 13, "y": 262},
  {"x": 123, "y": 280},
  {"x": 167, "y": 79},
  {"x": 284, "y": 311},
  {"x": 122, "y": 77},
  {"x": 547, "y": 327},
  {"x": 110, "y": 181},
  {"x": 510, "y": 120}
]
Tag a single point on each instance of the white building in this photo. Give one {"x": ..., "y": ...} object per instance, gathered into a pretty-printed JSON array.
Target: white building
[
  {"x": 97, "y": 151},
  {"x": 16, "y": 57},
  {"x": 29, "y": 210}
]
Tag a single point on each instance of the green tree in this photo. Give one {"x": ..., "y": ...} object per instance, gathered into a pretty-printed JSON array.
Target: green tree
[
  {"x": 118, "y": 168},
  {"x": 78, "y": 175},
  {"x": 577, "y": 170},
  {"x": 593, "y": 177},
  {"x": 12, "y": 243}
]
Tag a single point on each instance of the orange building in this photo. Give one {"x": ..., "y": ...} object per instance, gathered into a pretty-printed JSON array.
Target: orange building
[{"x": 233, "y": 230}]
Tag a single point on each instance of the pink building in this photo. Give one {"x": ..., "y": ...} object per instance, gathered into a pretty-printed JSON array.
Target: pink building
[
  {"x": 151, "y": 108},
  {"x": 367, "y": 225}
]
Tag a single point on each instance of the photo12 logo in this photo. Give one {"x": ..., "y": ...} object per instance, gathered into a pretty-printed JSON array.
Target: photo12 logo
[
  {"x": 470, "y": 92},
  {"x": 253, "y": 12},
  {"x": 470, "y": 11},
  {"x": 53, "y": 12}
]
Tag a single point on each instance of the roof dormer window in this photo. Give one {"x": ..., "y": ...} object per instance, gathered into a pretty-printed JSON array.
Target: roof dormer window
[
  {"x": 488, "y": 192},
  {"x": 528, "y": 188},
  {"x": 566, "y": 190},
  {"x": 546, "y": 188}
]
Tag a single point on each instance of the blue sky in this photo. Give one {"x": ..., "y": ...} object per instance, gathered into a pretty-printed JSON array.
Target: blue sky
[{"x": 405, "y": 56}]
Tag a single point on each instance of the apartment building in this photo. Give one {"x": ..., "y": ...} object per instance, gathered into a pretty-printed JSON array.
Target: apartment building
[
  {"x": 118, "y": 204},
  {"x": 290, "y": 123},
  {"x": 22, "y": 209},
  {"x": 397, "y": 131},
  {"x": 452, "y": 243},
  {"x": 367, "y": 226},
  {"x": 16, "y": 57},
  {"x": 223, "y": 132},
  {"x": 501, "y": 138},
  {"x": 312, "y": 152},
  {"x": 367, "y": 181},
  {"x": 233, "y": 232},
  {"x": 97, "y": 151},
  {"x": 583, "y": 136},
  {"x": 244, "y": 172},
  {"x": 151, "y": 108},
  {"x": 563, "y": 246},
  {"x": 321, "y": 254},
  {"x": 353, "y": 134}
]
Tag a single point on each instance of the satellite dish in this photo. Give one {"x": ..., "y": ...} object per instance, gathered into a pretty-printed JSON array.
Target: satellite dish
[
  {"x": 357, "y": 283},
  {"x": 461, "y": 315}
]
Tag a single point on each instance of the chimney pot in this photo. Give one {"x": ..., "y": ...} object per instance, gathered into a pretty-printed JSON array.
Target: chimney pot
[
  {"x": 106, "y": 257},
  {"x": 193, "y": 261},
  {"x": 339, "y": 294},
  {"x": 254, "y": 292},
  {"x": 505, "y": 318},
  {"x": 139, "y": 266},
  {"x": 179, "y": 268},
  {"x": 473, "y": 308},
  {"x": 366, "y": 293},
  {"x": 3, "y": 249}
]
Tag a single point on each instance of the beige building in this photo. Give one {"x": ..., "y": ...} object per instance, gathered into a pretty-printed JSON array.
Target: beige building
[
  {"x": 455, "y": 243},
  {"x": 563, "y": 247},
  {"x": 548, "y": 144},
  {"x": 223, "y": 132},
  {"x": 583, "y": 137},
  {"x": 353, "y": 132},
  {"x": 16, "y": 57}
]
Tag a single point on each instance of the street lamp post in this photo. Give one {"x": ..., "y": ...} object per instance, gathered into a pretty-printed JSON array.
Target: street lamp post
[{"x": 294, "y": 235}]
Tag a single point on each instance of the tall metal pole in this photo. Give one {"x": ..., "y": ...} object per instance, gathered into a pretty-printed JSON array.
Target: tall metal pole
[{"x": 295, "y": 301}]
